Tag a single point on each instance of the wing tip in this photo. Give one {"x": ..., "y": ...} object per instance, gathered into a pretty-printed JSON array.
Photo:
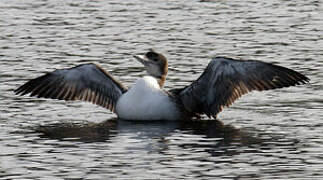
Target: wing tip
[
  {"x": 22, "y": 90},
  {"x": 17, "y": 91}
]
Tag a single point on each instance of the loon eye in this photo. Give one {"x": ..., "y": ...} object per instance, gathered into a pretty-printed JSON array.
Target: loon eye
[{"x": 152, "y": 56}]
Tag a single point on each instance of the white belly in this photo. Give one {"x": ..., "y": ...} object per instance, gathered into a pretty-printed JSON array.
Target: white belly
[{"x": 146, "y": 101}]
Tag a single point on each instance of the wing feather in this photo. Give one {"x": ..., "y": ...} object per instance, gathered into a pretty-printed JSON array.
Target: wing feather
[
  {"x": 87, "y": 82},
  {"x": 225, "y": 80}
]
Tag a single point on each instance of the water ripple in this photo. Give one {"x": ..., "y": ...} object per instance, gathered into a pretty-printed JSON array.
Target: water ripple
[{"x": 267, "y": 135}]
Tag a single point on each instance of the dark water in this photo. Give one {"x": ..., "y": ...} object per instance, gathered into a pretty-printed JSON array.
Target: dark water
[{"x": 268, "y": 135}]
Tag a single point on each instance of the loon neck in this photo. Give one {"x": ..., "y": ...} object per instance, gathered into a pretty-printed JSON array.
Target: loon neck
[{"x": 161, "y": 80}]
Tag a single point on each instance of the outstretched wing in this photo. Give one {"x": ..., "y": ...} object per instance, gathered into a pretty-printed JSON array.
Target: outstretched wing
[
  {"x": 86, "y": 82},
  {"x": 225, "y": 80}
]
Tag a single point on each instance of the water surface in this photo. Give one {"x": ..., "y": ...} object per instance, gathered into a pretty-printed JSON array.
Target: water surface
[{"x": 264, "y": 135}]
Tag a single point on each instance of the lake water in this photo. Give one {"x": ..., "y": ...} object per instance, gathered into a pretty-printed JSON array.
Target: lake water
[{"x": 276, "y": 134}]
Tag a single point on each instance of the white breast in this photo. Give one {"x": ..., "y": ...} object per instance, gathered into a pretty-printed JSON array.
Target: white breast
[{"x": 146, "y": 101}]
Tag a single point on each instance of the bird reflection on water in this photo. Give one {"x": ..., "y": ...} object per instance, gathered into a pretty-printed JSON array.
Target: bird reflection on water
[
  {"x": 213, "y": 135},
  {"x": 84, "y": 132}
]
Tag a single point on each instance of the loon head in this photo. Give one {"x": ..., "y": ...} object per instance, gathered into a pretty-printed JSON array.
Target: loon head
[{"x": 156, "y": 64}]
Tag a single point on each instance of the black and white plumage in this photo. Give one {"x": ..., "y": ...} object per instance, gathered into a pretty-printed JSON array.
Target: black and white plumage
[
  {"x": 223, "y": 81},
  {"x": 87, "y": 82}
]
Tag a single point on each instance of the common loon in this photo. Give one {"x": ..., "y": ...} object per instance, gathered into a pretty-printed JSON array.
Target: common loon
[{"x": 223, "y": 81}]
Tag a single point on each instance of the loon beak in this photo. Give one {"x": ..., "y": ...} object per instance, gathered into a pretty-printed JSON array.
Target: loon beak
[{"x": 142, "y": 59}]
